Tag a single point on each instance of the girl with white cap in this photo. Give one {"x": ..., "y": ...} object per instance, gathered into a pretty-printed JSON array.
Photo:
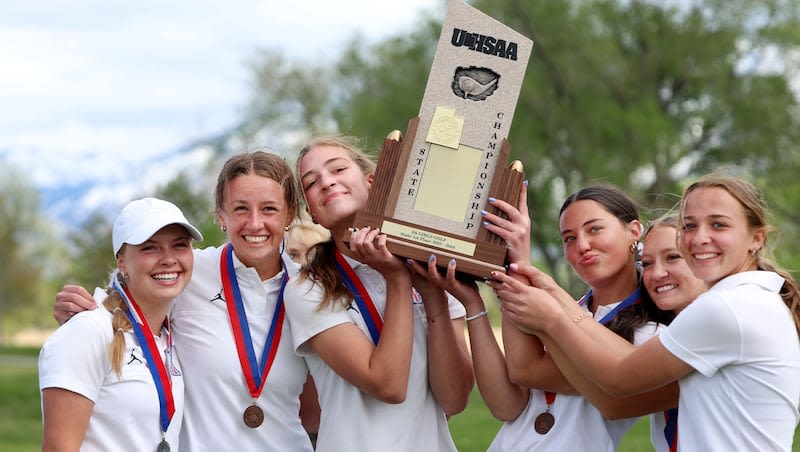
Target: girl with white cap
[{"x": 110, "y": 379}]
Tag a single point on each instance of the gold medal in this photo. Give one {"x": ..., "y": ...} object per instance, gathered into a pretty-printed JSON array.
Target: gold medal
[
  {"x": 253, "y": 416},
  {"x": 544, "y": 422}
]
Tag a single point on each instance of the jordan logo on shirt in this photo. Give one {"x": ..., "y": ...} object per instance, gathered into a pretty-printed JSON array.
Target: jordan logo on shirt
[
  {"x": 134, "y": 357},
  {"x": 218, "y": 297}
]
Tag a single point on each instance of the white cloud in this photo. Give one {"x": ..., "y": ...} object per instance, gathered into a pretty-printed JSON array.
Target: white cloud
[{"x": 91, "y": 89}]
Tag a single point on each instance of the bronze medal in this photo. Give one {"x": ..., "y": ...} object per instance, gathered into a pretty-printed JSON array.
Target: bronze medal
[
  {"x": 163, "y": 446},
  {"x": 253, "y": 416},
  {"x": 544, "y": 422}
]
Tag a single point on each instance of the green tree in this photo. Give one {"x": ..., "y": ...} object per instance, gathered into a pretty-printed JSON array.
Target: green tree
[
  {"x": 195, "y": 197},
  {"x": 647, "y": 96},
  {"x": 91, "y": 259},
  {"x": 381, "y": 86},
  {"x": 22, "y": 262},
  {"x": 641, "y": 94}
]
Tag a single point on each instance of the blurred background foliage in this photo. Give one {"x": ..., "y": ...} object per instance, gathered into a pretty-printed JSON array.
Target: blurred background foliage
[{"x": 645, "y": 95}]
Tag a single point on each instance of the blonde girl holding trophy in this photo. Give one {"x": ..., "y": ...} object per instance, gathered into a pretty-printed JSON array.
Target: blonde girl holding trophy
[{"x": 389, "y": 360}]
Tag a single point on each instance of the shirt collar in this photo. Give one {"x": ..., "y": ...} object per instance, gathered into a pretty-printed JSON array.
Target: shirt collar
[{"x": 767, "y": 280}]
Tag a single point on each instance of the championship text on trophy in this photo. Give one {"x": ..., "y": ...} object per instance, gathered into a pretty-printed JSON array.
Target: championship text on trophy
[{"x": 430, "y": 187}]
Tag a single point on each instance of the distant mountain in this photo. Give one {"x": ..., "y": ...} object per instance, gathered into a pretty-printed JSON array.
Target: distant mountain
[{"x": 71, "y": 205}]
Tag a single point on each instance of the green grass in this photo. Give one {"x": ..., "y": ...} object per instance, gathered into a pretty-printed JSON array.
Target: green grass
[
  {"x": 20, "y": 415},
  {"x": 21, "y": 425},
  {"x": 474, "y": 429}
]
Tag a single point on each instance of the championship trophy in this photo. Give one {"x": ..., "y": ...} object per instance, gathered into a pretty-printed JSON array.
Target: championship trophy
[{"x": 431, "y": 185}]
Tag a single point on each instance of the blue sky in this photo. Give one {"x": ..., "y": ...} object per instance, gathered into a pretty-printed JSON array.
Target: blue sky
[{"x": 89, "y": 88}]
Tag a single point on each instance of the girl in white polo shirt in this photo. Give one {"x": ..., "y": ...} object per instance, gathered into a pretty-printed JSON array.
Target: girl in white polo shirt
[
  {"x": 389, "y": 365},
  {"x": 110, "y": 379},
  {"x": 545, "y": 406}
]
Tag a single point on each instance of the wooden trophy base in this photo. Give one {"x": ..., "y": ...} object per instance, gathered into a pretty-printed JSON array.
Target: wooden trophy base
[{"x": 484, "y": 254}]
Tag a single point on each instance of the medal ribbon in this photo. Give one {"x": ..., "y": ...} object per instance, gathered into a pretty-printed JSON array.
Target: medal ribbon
[
  {"x": 364, "y": 302},
  {"x": 156, "y": 366},
  {"x": 549, "y": 398},
  {"x": 670, "y": 416},
  {"x": 671, "y": 429},
  {"x": 254, "y": 375},
  {"x": 632, "y": 299}
]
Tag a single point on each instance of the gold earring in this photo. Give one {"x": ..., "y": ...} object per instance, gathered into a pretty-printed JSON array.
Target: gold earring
[
  {"x": 223, "y": 228},
  {"x": 286, "y": 228}
]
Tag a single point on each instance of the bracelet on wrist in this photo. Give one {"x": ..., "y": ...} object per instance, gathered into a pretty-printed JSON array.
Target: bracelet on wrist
[{"x": 476, "y": 316}]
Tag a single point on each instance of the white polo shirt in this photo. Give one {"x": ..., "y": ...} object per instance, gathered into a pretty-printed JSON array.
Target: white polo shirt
[
  {"x": 126, "y": 413},
  {"x": 579, "y": 426},
  {"x": 741, "y": 339},
  {"x": 351, "y": 420},
  {"x": 216, "y": 391}
]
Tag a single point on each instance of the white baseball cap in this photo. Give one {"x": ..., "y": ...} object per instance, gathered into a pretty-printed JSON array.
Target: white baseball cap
[{"x": 142, "y": 218}]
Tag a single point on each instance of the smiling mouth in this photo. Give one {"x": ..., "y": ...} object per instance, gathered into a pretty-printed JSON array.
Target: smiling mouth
[
  {"x": 705, "y": 256},
  {"x": 332, "y": 196},
  {"x": 665, "y": 288},
  {"x": 166, "y": 276},
  {"x": 256, "y": 239}
]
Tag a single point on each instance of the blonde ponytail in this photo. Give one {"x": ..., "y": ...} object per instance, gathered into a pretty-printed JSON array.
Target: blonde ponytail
[{"x": 119, "y": 323}]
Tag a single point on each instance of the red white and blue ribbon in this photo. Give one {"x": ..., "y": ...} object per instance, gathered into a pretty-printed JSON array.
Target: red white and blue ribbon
[
  {"x": 255, "y": 374},
  {"x": 364, "y": 302},
  {"x": 634, "y": 298},
  {"x": 670, "y": 416},
  {"x": 671, "y": 429},
  {"x": 156, "y": 366}
]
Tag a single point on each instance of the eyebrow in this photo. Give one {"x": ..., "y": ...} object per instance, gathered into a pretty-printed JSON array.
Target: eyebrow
[
  {"x": 712, "y": 216},
  {"x": 245, "y": 202},
  {"x": 178, "y": 237},
  {"x": 587, "y": 222},
  {"x": 327, "y": 162}
]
